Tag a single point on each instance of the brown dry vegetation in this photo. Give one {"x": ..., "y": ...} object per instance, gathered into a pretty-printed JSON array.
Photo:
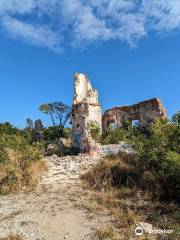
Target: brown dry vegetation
[
  {"x": 12, "y": 237},
  {"x": 115, "y": 191},
  {"x": 20, "y": 164},
  {"x": 105, "y": 233}
]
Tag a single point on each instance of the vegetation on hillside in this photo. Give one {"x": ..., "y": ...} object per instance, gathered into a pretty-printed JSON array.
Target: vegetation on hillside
[
  {"x": 59, "y": 114},
  {"x": 144, "y": 186},
  {"x": 21, "y": 154},
  {"x": 20, "y": 159},
  {"x": 53, "y": 133},
  {"x": 94, "y": 130}
]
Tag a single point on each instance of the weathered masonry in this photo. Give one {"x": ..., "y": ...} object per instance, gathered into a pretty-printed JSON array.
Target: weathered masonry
[
  {"x": 86, "y": 108},
  {"x": 144, "y": 112}
]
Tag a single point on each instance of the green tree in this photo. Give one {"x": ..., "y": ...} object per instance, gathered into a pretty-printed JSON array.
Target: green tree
[
  {"x": 28, "y": 132},
  {"x": 49, "y": 110},
  {"x": 29, "y": 123},
  {"x": 57, "y": 110},
  {"x": 62, "y": 112},
  {"x": 176, "y": 118}
]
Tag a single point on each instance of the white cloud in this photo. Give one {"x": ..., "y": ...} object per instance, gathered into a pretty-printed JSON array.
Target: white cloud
[
  {"x": 89, "y": 28},
  {"x": 16, "y": 6},
  {"x": 38, "y": 35},
  {"x": 162, "y": 15},
  {"x": 44, "y": 22}
]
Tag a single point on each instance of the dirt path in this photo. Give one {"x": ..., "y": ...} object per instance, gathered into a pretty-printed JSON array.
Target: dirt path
[{"x": 48, "y": 212}]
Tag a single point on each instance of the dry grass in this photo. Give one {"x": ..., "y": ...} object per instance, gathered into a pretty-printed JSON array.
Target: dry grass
[
  {"x": 16, "y": 172},
  {"x": 112, "y": 189},
  {"x": 12, "y": 237},
  {"x": 105, "y": 233}
]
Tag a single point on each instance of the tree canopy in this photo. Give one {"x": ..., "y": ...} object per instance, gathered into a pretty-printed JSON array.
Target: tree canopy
[{"x": 59, "y": 112}]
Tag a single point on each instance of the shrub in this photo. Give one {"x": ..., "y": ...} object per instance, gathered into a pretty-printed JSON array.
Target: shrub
[
  {"x": 29, "y": 135},
  {"x": 144, "y": 186},
  {"x": 20, "y": 163},
  {"x": 67, "y": 132},
  {"x": 176, "y": 118},
  {"x": 156, "y": 166},
  {"x": 113, "y": 136},
  {"x": 52, "y": 134},
  {"x": 7, "y": 128},
  {"x": 94, "y": 129},
  {"x": 114, "y": 171},
  {"x": 158, "y": 160}
]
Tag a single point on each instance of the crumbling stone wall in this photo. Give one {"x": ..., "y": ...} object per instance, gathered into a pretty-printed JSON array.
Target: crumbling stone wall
[
  {"x": 145, "y": 112},
  {"x": 86, "y": 108}
]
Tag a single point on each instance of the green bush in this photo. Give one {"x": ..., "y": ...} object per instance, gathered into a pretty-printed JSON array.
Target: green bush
[
  {"x": 176, "y": 118},
  {"x": 113, "y": 136},
  {"x": 7, "y": 128},
  {"x": 20, "y": 162},
  {"x": 156, "y": 165},
  {"x": 29, "y": 135},
  {"x": 52, "y": 134},
  {"x": 158, "y": 159},
  {"x": 95, "y": 130}
]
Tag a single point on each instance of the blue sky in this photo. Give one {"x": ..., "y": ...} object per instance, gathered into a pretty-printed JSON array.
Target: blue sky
[{"x": 130, "y": 49}]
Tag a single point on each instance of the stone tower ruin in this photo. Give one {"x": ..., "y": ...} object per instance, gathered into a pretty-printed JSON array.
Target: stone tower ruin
[{"x": 85, "y": 109}]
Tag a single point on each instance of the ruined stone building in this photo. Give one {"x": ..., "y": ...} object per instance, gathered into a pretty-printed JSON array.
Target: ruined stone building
[
  {"x": 144, "y": 112},
  {"x": 86, "y": 108}
]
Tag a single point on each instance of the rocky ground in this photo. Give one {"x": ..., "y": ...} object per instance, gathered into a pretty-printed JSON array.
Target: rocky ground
[{"x": 48, "y": 213}]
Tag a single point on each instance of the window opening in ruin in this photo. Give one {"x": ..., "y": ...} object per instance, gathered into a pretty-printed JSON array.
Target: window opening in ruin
[
  {"x": 135, "y": 122},
  {"x": 112, "y": 125}
]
